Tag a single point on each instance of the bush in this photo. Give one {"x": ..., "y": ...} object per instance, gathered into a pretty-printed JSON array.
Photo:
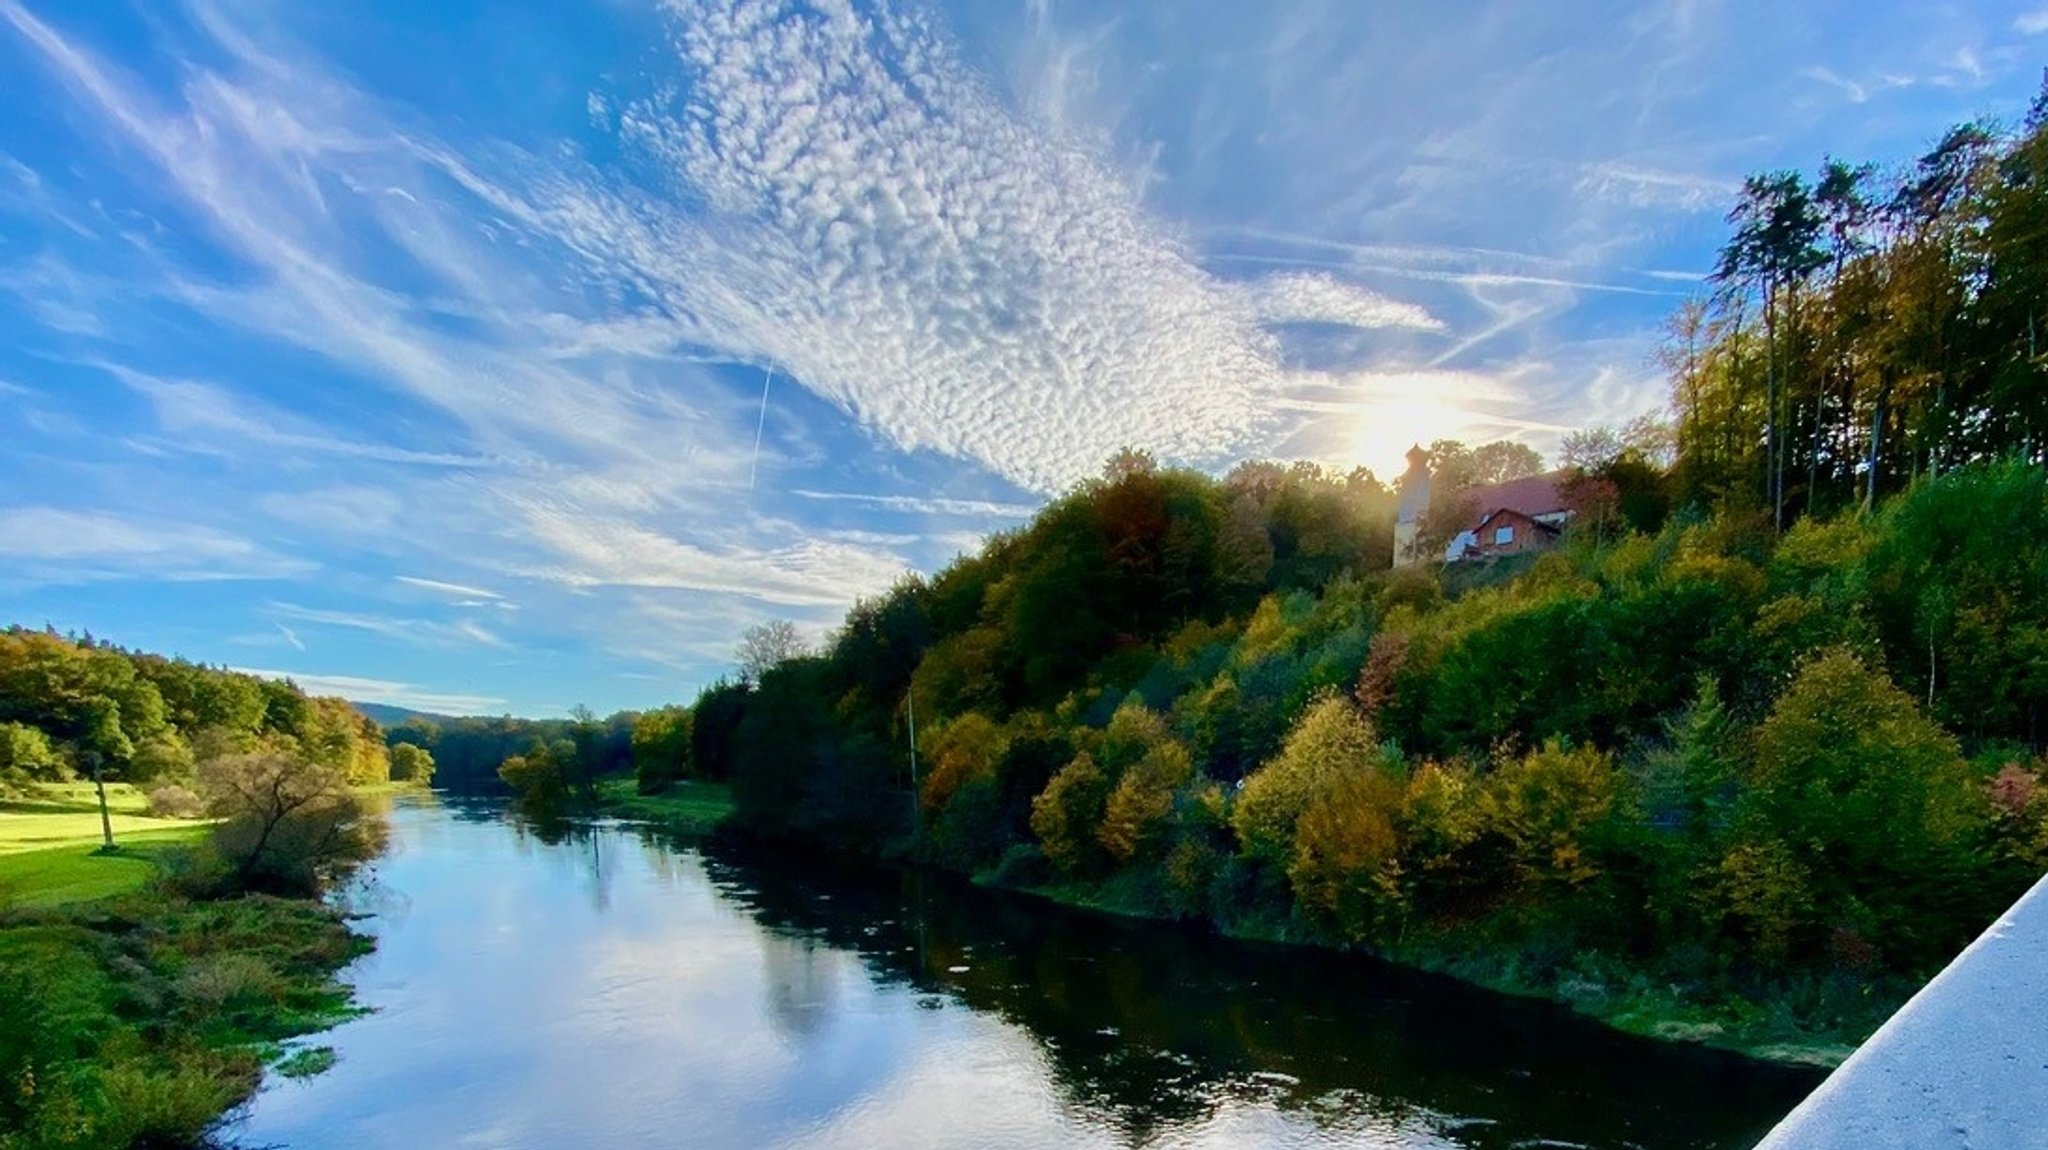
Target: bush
[
  {"x": 217, "y": 981},
  {"x": 171, "y": 801},
  {"x": 1330, "y": 743}
]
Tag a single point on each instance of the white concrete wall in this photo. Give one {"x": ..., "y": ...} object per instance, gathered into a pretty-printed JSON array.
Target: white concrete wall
[{"x": 1963, "y": 1064}]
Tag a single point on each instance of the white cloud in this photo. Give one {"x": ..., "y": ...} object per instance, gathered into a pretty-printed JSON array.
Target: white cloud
[
  {"x": 418, "y": 632},
  {"x": 619, "y": 553},
  {"x": 459, "y": 590},
  {"x": 48, "y": 544},
  {"x": 209, "y": 418},
  {"x": 1314, "y": 297},
  {"x": 923, "y": 505},
  {"x": 342, "y": 510},
  {"x": 879, "y": 225},
  {"x": 2031, "y": 23},
  {"x": 1646, "y": 187},
  {"x": 385, "y": 691}
]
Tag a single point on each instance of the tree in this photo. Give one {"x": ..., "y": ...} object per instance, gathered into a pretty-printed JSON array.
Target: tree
[
  {"x": 411, "y": 763},
  {"x": 661, "y": 748},
  {"x": 1773, "y": 248},
  {"x": 288, "y": 825},
  {"x": 1331, "y": 742},
  {"x": 1346, "y": 863},
  {"x": 1067, "y": 813},
  {"x": 1504, "y": 459},
  {"x": 764, "y": 646},
  {"x": 1590, "y": 449},
  {"x": 1875, "y": 804},
  {"x": 540, "y": 778},
  {"x": 26, "y": 756}
]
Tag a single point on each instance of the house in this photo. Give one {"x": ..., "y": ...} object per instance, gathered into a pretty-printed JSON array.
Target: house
[
  {"x": 1511, "y": 518},
  {"x": 1506, "y": 518}
]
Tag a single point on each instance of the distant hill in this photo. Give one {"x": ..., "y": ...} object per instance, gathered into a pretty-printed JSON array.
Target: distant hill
[{"x": 386, "y": 715}]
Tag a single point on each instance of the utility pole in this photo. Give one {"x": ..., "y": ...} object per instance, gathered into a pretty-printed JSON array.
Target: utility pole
[
  {"x": 92, "y": 760},
  {"x": 916, "y": 802}
]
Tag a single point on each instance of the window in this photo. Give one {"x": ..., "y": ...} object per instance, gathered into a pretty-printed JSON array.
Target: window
[{"x": 1502, "y": 536}]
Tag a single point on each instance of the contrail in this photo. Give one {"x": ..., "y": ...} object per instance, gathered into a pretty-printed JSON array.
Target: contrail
[{"x": 755, "y": 470}]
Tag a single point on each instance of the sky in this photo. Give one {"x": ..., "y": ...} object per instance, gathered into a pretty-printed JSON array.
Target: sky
[{"x": 499, "y": 356}]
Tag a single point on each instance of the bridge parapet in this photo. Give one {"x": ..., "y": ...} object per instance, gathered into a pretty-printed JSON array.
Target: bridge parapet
[{"x": 1963, "y": 1064}]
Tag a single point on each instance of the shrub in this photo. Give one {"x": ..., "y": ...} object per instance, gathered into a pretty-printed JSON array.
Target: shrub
[
  {"x": 171, "y": 801},
  {"x": 1549, "y": 806},
  {"x": 1331, "y": 742},
  {"x": 216, "y": 981}
]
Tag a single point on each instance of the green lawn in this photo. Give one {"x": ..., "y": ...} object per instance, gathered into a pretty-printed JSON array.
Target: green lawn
[{"x": 48, "y": 844}]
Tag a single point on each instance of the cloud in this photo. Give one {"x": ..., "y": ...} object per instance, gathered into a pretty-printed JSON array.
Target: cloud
[
  {"x": 48, "y": 544},
  {"x": 418, "y": 632},
  {"x": 1310, "y": 297},
  {"x": 1641, "y": 187},
  {"x": 879, "y": 225},
  {"x": 922, "y": 505},
  {"x": 342, "y": 510},
  {"x": 620, "y": 553},
  {"x": 384, "y": 691},
  {"x": 2031, "y": 23},
  {"x": 214, "y": 420},
  {"x": 292, "y": 637},
  {"x": 459, "y": 590}
]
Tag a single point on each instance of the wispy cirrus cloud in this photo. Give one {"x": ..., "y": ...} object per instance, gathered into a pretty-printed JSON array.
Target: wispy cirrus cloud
[
  {"x": 460, "y": 632},
  {"x": 458, "y": 590},
  {"x": 396, "y": 694},
  {"x": 1317, "y": 297},
  {"x": 60, "y": 545}
]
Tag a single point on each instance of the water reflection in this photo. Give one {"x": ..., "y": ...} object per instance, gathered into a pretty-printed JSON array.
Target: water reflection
[{"x": 600, "y": 985}]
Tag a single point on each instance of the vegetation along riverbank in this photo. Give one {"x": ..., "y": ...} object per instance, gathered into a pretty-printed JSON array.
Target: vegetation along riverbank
[
  {"x": 1728, "y": 729},
  {"x": 144, "y": 989}
]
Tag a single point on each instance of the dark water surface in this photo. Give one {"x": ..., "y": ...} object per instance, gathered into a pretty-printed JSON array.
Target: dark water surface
[{"x": 612, "y": 990}]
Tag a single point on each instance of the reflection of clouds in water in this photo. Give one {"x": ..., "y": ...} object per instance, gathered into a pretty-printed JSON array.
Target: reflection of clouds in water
[
  {"x": 735, "y": 1004},
  {"x": 803, "y": 983}
]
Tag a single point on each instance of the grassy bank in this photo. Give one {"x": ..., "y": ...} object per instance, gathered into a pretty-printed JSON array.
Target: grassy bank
[
  {"x": 139, "y": 1020},
  {"x": 1812, "y": 1022},
  {"x": 132, "y": 1015},
  {"x": 688, "y": 807}
]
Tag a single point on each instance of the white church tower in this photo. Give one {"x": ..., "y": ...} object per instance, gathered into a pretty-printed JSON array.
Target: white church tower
[{"x": 1414, "y": 488}]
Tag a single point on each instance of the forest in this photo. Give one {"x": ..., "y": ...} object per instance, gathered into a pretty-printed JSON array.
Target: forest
[
  {"x": 1754, "y": 750},
  {"x": 69, "y": 704}
]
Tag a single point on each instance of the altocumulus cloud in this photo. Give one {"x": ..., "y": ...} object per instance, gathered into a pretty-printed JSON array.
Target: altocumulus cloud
[{"x": 879, "y": 224}]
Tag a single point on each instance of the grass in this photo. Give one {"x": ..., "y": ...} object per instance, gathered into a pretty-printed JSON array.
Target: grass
[
  {"x": 137, "y": 1021},
  {"x": 50, "y": 845},
  {"x": 688, "y": 806},
  {"x": 130, "y": 1013},
  {"x": 68, "y": 814}
]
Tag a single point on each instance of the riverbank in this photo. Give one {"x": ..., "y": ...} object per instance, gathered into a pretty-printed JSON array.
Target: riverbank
[
  {"x": 1813, "y": 1023},
  {"x": 130, "y": 1013},
  {"x": 1816, "y": 1023},
  {"x": 687, "y": 807}
]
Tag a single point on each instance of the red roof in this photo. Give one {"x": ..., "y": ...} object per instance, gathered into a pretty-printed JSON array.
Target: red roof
[{"x": 1536, "y": 495}]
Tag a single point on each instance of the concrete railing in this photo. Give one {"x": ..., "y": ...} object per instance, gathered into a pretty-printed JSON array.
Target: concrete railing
[{"x": 1963, "y": 1064}]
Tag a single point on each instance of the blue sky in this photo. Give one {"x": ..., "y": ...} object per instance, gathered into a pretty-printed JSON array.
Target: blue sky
[{"x": 419, "y": 350}]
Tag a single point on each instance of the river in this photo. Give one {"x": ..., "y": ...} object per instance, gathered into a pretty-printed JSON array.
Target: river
[{"x": 612, "y": 989}]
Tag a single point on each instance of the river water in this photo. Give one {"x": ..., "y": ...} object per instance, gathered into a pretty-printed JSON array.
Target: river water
[{"x": 611, "y": 989}]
